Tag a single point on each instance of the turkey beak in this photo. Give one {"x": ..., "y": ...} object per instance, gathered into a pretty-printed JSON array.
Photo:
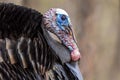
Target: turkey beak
[{"x": 74, "y": 69}]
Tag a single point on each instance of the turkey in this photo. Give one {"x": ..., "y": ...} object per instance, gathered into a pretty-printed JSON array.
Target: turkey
[{"x": 27, "y": 49}]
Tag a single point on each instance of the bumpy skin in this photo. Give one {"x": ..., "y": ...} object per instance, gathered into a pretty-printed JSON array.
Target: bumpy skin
[
  {"x": 58, "y": 22},
  {"x": 24, "y": 51}
]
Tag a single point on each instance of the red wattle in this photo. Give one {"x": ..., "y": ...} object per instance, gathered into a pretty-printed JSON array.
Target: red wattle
[{"x": 75, "y": 55}]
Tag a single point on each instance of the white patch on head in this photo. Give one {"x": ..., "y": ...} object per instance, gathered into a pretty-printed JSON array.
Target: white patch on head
[{"x": 61, "y": 11}]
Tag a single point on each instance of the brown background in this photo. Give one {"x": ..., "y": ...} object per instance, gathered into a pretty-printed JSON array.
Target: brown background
[{"x": 97, "y": 28}]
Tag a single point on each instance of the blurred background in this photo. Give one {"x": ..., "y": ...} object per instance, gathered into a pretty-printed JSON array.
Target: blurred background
[{"x": 97, "y": 28}]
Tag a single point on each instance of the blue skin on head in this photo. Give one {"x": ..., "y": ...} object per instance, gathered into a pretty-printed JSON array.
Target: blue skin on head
[{"x": 62, "y": 21}]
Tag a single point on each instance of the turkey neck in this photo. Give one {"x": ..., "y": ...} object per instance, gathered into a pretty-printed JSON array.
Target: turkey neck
[{"x": 61, "y": 51}]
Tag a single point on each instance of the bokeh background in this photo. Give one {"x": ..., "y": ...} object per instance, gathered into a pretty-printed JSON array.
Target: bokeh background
[{"x": 97, "y": 28}]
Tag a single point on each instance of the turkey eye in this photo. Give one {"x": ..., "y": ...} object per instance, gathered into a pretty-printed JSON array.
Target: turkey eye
[{"x": 63, "y": 17}]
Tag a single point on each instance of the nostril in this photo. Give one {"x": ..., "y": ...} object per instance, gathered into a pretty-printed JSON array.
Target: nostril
[{"x": 67, "y": 31}]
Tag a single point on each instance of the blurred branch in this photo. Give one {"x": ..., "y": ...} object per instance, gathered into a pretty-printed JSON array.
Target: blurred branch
[{"x": 12, "y": 1}]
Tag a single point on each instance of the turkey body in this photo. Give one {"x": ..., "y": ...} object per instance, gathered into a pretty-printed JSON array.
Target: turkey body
[{"x": 24, "y": 51}]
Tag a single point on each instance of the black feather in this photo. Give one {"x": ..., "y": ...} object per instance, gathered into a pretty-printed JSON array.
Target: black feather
[{"x": 24, "y": 51}]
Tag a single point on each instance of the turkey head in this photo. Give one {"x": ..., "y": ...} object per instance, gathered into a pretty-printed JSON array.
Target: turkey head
[{"x": 57, "y": 21}]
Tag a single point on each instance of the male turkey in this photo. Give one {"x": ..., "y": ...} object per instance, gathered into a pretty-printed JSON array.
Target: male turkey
[{"x": 27, "y": 50}]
